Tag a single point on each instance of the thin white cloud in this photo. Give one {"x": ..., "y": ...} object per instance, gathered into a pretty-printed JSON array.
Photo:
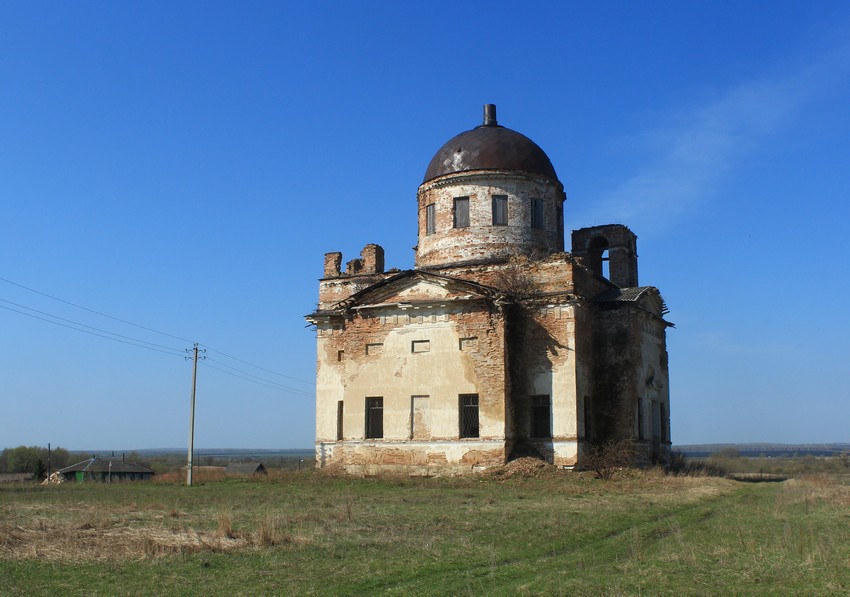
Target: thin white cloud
[{"x": 689, "y": 155}]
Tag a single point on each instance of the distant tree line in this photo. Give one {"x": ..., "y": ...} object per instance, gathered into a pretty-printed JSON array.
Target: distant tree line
[{"x": 33, "y": 459}]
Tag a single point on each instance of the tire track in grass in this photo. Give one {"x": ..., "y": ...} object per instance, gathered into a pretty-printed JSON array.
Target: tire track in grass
[{"x": 604, "y": 549}]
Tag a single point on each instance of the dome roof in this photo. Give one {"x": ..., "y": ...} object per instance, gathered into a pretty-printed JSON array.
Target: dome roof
[{"x": 490, "y": 147}]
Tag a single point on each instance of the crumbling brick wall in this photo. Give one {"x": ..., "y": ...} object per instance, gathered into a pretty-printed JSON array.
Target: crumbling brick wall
[
  {"x": 481, "y": 239},
  {"x": 473, "y": 363}
]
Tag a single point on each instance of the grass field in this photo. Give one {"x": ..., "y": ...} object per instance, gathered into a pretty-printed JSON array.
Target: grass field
[{"x": 542, "y": 533}]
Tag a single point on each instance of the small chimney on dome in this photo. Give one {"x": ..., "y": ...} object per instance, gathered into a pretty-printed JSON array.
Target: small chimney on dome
[{"x": 490, "y": 115}]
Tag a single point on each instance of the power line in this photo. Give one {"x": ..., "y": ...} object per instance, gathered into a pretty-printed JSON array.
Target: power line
[
  {"x": 269, "y": 385},
  {"x": 91, "y": 333},
  {"x": 262, "y": 379},
  {"x": 258, "y": 367},
  {"x": 93, "y": 311},
  {"x": 85, "y": 326},
  {"x": 144, "y": 343}
]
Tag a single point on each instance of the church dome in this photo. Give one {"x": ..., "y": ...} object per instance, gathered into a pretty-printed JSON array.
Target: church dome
[{"x": 490, "y": 147}]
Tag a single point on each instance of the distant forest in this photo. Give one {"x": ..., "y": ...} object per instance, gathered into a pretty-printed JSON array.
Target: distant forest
[
  {"x": 37, "y": 461},
  {"x": 756, "y": 450}
]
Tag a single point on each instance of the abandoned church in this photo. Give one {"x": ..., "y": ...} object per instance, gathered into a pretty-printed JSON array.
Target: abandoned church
[{"x": 499, "y": 343}]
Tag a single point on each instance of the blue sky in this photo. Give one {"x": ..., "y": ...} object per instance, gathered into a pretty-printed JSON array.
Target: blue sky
[{"x": 184, "y": 166}]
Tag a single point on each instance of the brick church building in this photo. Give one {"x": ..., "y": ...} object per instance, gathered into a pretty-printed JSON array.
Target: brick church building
[{"x": 499, "y": 343}]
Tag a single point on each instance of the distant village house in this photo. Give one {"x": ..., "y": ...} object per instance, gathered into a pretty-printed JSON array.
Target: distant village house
[
  {"x": 106, "y": 470},
  {"x": 245, "y": 468}
]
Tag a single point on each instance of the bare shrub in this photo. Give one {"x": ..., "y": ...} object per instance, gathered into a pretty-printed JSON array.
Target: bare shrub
[
  {"x": 680, "y": 465},
  {"x": 515, "y": 282},
  {"x": 609, "y": 458}
]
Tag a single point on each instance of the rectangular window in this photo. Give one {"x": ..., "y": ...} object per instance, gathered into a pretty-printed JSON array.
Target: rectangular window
[
  {"x": 500, "y": 210},
  {"x": 537, "y": 213},
  {"x": 468, "y": 343},
  {"x": 640, "y": 418},
  {"x": 430, "y": 219},
  {"x": 420, "y": 346},
  {"x": 541, "y": 416},
  {"x": 374, "y": 418},
  {"x": 468, "y": 415},
  {"x": 339, "y": 420},
  {"x": 340, "y": 354},
  {"x": 461, "y": 212},
  {"x": 375, "y": 348}
]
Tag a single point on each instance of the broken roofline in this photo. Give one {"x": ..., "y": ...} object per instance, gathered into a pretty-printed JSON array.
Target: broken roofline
[
  {"x": 350, "y": 303},
  {"x": 634, "y": 295}
]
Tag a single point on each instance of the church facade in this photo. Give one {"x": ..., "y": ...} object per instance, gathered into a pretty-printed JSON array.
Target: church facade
[{"x": 499, "y": 343}]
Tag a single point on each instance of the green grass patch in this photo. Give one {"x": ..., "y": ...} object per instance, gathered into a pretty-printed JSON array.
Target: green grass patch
[{"x": 311, "y": 534}]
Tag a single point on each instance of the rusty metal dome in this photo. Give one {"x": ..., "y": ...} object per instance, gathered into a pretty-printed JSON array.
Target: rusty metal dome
[{"x": 490, "y": 147}]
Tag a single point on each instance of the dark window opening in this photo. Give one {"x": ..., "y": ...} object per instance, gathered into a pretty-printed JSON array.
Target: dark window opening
[
  {"x": 500, "y": 210},
  {"x": 339, "y": 420},
  {"x": 537, "y": 220},
  {"x": 541, "y": 416},
  {"x": 374, "y": 418},
  {"x": 656, "y": 424},
  {"x": 461, "y": 212},
  {"x": 469, "y": 415},
  {"x": 640, "y": 418},
  {"x": 430, "y": 219}
]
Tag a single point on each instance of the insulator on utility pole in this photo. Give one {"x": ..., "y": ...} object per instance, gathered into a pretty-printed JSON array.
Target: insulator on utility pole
[{"x": 194, "y": 358}]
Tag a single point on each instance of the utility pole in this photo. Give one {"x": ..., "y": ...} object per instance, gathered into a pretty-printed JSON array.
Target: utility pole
[{"x": 194, "y": 358}]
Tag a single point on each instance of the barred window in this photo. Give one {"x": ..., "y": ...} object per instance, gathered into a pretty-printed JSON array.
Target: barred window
[
  {"x": 468, "y": 415},
  {"x": 537, "y": 213},
  {"x": 461, "y": 212},
  {"x": 374, "y": 418},
  {"x": 500, "y": 210},
  {"x": 430, "y": 219}
]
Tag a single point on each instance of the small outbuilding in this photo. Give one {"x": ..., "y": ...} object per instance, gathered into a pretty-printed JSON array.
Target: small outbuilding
[
  {"x": 245, "y": 468},
  {"x": 106, "y": 470}
]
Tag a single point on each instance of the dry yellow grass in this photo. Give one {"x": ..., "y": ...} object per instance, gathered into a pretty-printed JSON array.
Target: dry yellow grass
[{"x": 534, "y": 531}]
